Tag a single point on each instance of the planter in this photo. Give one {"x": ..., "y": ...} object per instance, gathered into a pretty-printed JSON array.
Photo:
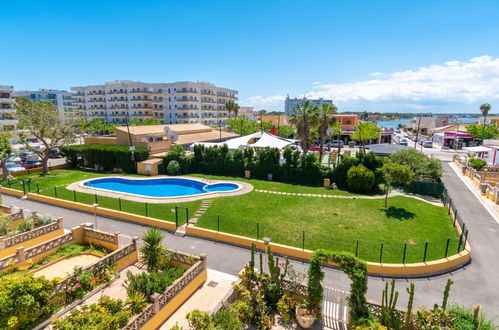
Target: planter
[{"x": 305, "y": 321}]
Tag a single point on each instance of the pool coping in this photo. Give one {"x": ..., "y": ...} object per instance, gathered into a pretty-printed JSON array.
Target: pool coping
[{"x": 79, "y": 186}]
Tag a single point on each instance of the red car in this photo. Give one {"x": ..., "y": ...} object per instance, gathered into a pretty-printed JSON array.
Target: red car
[
  {"x": 32, "y": 163},
  {"x": 318, "y": 148}
]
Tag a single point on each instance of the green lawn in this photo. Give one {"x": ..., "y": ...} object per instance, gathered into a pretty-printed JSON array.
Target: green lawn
[
  {"x": 312, "y": 222},
  {"x": 304, "y": 222},
  {"x": 54, "y": 185}
]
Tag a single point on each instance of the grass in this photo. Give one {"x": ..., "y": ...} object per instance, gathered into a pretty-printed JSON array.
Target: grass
[
  {"x": 360, "y": 226},
  {"x": 55, "y": 183},
  {"x": 334, "y": 223}
]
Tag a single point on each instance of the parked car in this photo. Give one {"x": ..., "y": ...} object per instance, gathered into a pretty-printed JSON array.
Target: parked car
[
  {"x": 27, "y": 155},
  {"x": 397, "y": 130},
  {"x": 428, "y": 144},
  {"x": 421, "y": 141},
  {"x": 317, "y": 148},
  {"x": 55, "y": 153},
  {"x": 32, "y": 163},
  {"x": 335, "y": 143},
  {"x": 13, "y": 167},
  {"x": 403, "y": 142}
]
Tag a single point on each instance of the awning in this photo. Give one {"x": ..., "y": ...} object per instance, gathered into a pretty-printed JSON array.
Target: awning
[{"x": 478, "y": 149}]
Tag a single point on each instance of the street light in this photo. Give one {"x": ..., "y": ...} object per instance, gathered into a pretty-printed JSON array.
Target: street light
[
  {"x": 266, "y": 241},
  {"x": 95, "y": 205}
]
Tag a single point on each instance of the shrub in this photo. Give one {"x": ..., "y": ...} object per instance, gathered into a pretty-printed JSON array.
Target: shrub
[
  {"x": 339, "y": 174},
  {"x": 25, "y": 300},
  {"x": 477, "y": 163},
  {"x": 136, "y": 302},
  {"x": 223, "y": 319},
  {"x": 4, "y": 225},
  {"x": 425, "y": 168},
  {"x": 107, "y": 156},
  {"x": 149, "y": 283},
  {"x": 468, "y": 319},
  {"x": 360, "y": 179},
  {"x": 153, "y": 252},
  {"x": 173, "y": 167},
  {"x": 41, "y": 220},
  {"x": 107, "y": 313},
  {"x": 25, "y": 225}
]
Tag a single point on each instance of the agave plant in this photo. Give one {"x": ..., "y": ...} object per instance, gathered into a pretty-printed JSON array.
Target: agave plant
[{"x": 152, "y": 253}]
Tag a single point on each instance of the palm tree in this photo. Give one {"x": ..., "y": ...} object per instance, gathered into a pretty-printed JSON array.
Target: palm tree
[
  {"x": 304, "y": 118},
  {"x": 232, "y": 106},
  {"x": 152, "y": 252},
  {"x": 326, "y": 120},
  {"x": 484, "y": 109}
]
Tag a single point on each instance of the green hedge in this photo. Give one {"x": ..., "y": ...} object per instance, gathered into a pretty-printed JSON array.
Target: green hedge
[
  {"x": 107, "y": 156},
  {"x": 425, "y": 188}
]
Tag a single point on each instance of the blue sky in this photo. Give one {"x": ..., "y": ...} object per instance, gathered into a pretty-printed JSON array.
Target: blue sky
[{"x": 438, "y": 56}]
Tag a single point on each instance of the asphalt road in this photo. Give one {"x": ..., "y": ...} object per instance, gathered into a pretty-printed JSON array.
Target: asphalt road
[{"x": 476, "y": 283}]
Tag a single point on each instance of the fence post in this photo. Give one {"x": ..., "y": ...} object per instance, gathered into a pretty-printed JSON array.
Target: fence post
[
  {"x": 147, "y": 211},
  {"x": 450, "y": 203},
  {"x": 55, "y": 191},
  {"x": 29, "y": 185},
  {"x": 74, "y": 195},
  {"x": 381, "y": 253},
  {"x": 218, "y": 224},
  {"x": 425, "y": 251},
  {"x": 455, "y": 218},
  {"x": 38, "y": 189},
  {"x": 119, "y": 202},
  {"x": 257, "y": 230},
  {"x": 447, "y": 247},
  {"x": 95, "y": 196},
  {"x": 21, "y": 254},
  {"x": 176, "y": 217},
  {"x": 405, "y": 252},
  {"x": 8, "y": 182},
  {"x": 187, "y": 215},
  {"x": 459, "y": 244},
  {"x": 303, "y": 240},
  {"x": 24, "y": 188},
  {"x": 465, "y": 238},
  {"x": 357, "y": 248},
  {"x": 464, "y": 227}
]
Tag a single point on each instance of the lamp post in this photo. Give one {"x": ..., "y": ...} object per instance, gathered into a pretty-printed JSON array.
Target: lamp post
[{"x": 95, "y": 205}]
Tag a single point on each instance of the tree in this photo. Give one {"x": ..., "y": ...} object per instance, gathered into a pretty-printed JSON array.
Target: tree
[
  {"x": 5, "y": 152},
  {"x": 484, "y": 109},
  {"x": 304, "y": 118},
  {"x": 326, "y": 120},
  {"x": 42, "y": 120},
  {"x": 152, "y": 252},
  {"x": 138, "y": 122},
  {"x": 485, "y": 131},
  {"x": 365, "y": 132},
  {"x": 425, "y": 168},
  {"x": 232, "y": 106},
  {"x": 395, "y": 173},
  {"x": 242, "y": 125},
  {"x": 96, "y": 126}
]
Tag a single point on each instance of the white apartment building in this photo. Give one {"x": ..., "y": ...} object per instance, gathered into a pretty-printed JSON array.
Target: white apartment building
[
  {"x": 290, "y": 104},
  {"x": 7, "y": 111},
  {"x": 169, "y": 103},
  {"x": 63, "y": 100}
]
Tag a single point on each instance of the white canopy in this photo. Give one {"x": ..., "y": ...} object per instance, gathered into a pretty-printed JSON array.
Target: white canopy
[
  {"x": 478, "y": 149},
  {"x": 270, "y": 141}
]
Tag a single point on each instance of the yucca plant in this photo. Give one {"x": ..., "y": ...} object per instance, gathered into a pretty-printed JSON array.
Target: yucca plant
[{"x": 152, "y": 253}]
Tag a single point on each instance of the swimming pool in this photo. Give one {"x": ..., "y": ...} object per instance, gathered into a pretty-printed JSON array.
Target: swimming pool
[{"x": 163, "y": 187}]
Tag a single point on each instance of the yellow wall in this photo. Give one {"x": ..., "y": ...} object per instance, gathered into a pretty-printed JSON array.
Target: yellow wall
[
  {"x": 176, "y": 302},
  {"x": 11, "y": 192},
  {"x": 98, "y": 140},
  {"x": 373, "y": 268},
  {"x": 32, "y": 242}
]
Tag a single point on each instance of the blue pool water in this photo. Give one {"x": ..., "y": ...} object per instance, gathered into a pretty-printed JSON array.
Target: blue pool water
[{"x": 166, "y": 187}]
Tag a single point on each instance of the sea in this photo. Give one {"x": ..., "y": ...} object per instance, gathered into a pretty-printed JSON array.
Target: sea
[{"x": 393, "y": 123}]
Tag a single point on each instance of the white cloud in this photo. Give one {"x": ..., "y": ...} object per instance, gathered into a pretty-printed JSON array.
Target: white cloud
[
  {"x": 270, "y": 102},
  {"x": 453, "y": 81},
  {"x": 453, "y": 86}
]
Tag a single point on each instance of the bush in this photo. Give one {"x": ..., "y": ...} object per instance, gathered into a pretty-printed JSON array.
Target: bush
[
  {"x": 149, "y": 283},
  {"x": 465, "y": 319},
  {"x": 41, "y": 220},
  {"x": 107, "y": 313},
  {"x": 4, "y": 225},
  {"x": 339, "y": 174},
  {"x": 425, "y": 168},
  {"x": 223, "y": 319},
  {"x": 107, "y": 156},
  {"x": 24, "y": 226},
  {"x": 25, "y": 300},
  {"x": 477, "y": 163},
  {"x": 173, "y": 168},
  {"x": 360, "y": 179}
]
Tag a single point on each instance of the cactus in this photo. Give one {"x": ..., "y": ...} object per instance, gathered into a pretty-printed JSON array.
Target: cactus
[
  {"x": 390, "y": 317},
  {"x": 276, "y": 277},
  {"x": 446, "y": 293},
  {"x": 252, "y": 260},
  {"x": 408, "y": 315}
]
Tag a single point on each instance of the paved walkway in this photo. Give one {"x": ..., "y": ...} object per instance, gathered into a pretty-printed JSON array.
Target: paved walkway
[{"x": 477, "y": 283}]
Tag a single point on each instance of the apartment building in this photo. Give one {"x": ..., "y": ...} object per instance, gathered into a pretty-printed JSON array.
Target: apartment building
[
  {"x": 7, "y": 111},
  {"x": 169, "y": 103},
  {"x": 290, "y": 104},
  {"x": 63, "y": 100}
]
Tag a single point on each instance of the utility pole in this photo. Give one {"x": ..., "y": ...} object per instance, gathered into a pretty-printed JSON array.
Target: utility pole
[
  {"x": 456, "y": 139},
  {"x": 278, "y": 123},
  {"x": 417, "y": 132}
]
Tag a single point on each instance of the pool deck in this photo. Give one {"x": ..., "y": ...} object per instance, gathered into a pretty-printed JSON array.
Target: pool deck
[{"x": 79, "y": 187}]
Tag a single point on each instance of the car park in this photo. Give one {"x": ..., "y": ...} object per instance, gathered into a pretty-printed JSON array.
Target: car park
[{"x": 335, "y": 143}]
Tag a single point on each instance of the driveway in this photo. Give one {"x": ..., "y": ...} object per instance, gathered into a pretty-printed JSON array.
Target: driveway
[{"x": 476, "y": 283}]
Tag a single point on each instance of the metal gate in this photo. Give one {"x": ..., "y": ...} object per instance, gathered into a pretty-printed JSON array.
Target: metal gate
[{"x": 335, "y": 309}]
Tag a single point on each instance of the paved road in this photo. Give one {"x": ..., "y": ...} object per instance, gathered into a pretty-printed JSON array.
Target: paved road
[{"x": 476, "y": 283}]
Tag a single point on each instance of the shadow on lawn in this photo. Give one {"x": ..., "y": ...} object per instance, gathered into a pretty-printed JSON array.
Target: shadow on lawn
[{"x": 398, "y": 213}]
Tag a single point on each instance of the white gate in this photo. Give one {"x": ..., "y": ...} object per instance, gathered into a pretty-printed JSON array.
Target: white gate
[{"x": 335, "y": 309}]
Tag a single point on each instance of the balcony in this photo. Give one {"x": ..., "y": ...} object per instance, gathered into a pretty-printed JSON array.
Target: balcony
[
  {"x": 140, "y": 108},
  {"x": 8, "y": 100},
  {"x": 140, "y": 100},
  {"x": 118, "y": 100},
  {"x": 140, "y": 92},
  {"x": 187, "y": 91},
  {"x": 187, "y": 100}
]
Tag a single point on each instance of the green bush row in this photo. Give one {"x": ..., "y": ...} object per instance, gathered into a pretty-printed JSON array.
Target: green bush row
[{"x": 107, "y": 156}]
